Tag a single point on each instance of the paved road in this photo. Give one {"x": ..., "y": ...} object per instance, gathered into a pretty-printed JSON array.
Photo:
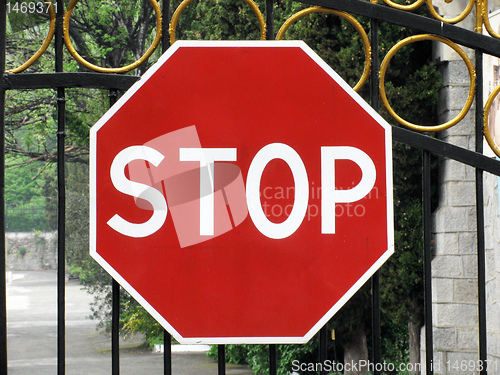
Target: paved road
[{"x": 32, "y": 335}]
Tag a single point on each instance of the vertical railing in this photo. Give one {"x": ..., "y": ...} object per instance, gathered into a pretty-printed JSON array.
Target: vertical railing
[
  {"x": 61, "y": 192},
  {"x": 273, "y": 352},
  {"x": 165, "y": 43},
  {"x": 375, "y": 103},
  {"x": 3, "y": 286},
  {"x": 323, "y": 348},
  {"x": 481, "y": 261},
  {"x": 426, "y": 202},
  {"x": 115, "y": 297}
]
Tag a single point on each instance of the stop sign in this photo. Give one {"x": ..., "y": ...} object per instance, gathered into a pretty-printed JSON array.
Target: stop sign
[{"x": 241, "y": 192}]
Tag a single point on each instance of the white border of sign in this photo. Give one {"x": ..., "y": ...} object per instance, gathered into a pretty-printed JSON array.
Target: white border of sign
[{"x": 240, "y": 340}]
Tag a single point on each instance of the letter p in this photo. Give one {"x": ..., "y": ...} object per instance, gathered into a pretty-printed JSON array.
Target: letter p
[{"x": 329, "y": 196}]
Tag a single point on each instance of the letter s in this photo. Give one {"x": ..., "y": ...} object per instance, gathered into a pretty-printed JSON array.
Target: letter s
[{"x": 138, "y": 190}]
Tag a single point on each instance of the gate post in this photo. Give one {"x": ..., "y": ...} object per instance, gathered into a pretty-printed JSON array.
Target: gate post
[{"x": 455, "y": 231}]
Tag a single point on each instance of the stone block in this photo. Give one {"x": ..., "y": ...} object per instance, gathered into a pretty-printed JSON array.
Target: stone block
[
  {"x": 467, "y": 243},
  {"x": 468, "y": 339},
  {"x": 489, "y": 240},
  {"x": 471, "y": 219},
  {"x": 452, "y": 170},
  {"x": 494, "y": 347},
  {"x": 454, "y": 315},
  {"x": 451, "y": 219},
  {"x": 446, "y": 243},
  {"x": 464, "y": 127},
  {"x": 470, "y": 173},
  {"x": 453, "y": 97},
  {"x": 442, "y": 289},
  {"x": 447, "y": 266},
  {"x": 490, "y": 265},
  {"x": 444, "y": 339},
  {"x": 455, "y": 72},
  {"x": 469, "y": 265},
  {"x": 461, "y": 193},
  {"x": 465, "y": 290}
]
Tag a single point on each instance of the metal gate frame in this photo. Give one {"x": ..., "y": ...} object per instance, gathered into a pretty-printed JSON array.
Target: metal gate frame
[{"x": 60, "y": 80}]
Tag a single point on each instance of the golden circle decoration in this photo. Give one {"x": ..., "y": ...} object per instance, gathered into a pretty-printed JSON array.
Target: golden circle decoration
[
  {"x": 409, "y": 7},
  {"x": 45, "y": 45},
  {"x": 122, "y": 69},
  {"x": 456, "y": 48},
  {"x": 487, "y": 134},
  {"x": 353, "y": 21},
  {"x": 185, "y": 3},
  {"x": 457, "y": 19},
  {"x": 486, "y": 22}
]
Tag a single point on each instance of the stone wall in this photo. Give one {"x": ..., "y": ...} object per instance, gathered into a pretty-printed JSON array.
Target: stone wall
[
  {"x": 492, "y": 240},
  {"x": 31, "y": 251},
  {"x": 454, "y": 267}
]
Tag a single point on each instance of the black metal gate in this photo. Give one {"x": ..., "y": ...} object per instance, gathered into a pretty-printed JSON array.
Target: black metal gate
[{"x": 431, "y": 28}]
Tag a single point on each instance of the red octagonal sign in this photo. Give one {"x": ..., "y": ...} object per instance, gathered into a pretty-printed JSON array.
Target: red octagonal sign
[{"x": 241, "y": 192}]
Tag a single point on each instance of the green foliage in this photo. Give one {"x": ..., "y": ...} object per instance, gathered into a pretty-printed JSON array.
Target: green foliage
[
  {"x": 218, "y": 20},
  {"x": 25, "y": 209},
  {"x": 134, "y": 318},
  {"x": 112, "y": 33},
  {"x": 258, "y": 356},
  {"x": 22, "y": 251}
]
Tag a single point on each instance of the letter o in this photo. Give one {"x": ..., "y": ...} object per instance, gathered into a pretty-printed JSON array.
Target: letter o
[{"x": 259, "y": 163}]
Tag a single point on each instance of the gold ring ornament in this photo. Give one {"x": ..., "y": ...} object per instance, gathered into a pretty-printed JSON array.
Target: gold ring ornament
[
  {"x": 457, "y": 19},
  {"x": 46, "y": 43},
  {"x": 487, "y": 134},
  {"x": 185, "y": 3},
  {"x": 408, "y": 7},
  {"x": 457, "y": 49},
  {"x": 122, "y": 69},
  {"x": 486, "y": 21},
  {"x": 353, "y": 21}
]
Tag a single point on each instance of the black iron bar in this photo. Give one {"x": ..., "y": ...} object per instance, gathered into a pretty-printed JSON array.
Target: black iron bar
[
  {"x": 273, "y": 365},
  {"x": 61, "y": 193},
  {"x": 376, "y": 321},
  {"x": 115, "y": 301},
  {"x": 221, "y": 359},
  {"x": 269, "y": 19},
  {"x": 165, "y": 14},
  {"x": 167, "y": 353},
  {"x": 323, "y": 349},
  {"x": 273, "y": 360},
  {"x": 375, "y": 102},
  {"x": 426, "y": 182},
  {"x": 115, "y": 328},
  {"x": 438, "y": 147},
  {"x": 165, "y": 44},
  {"x": 61, "y": 230},
  {"x": 3, "y": 285},
  {"x": 481, "y": 259},
  {"x": 67, "y": 80}
]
